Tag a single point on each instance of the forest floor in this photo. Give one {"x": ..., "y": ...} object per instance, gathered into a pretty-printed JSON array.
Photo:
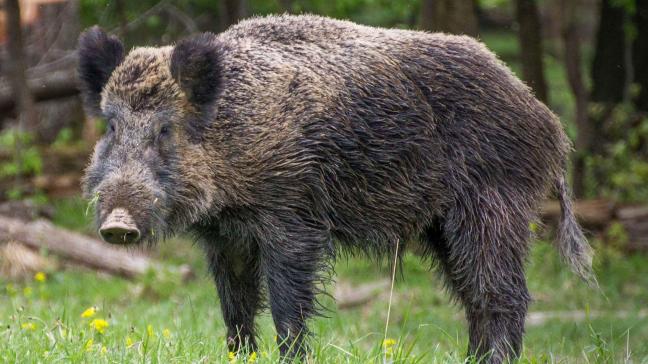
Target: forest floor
[{"x": 159, "y": 319}]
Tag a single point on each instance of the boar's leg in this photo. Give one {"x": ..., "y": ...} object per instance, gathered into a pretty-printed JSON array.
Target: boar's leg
[
  {"x": 237, "y": 280},
  {"x": 481, "y": 247},
  {"x": 293, "y": 259}
]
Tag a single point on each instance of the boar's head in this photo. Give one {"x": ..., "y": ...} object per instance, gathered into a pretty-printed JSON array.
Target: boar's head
[{"x": 150, "y": 173}]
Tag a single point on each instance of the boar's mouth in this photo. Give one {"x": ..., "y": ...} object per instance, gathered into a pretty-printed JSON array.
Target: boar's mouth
[{"x": 129, "y": 212}]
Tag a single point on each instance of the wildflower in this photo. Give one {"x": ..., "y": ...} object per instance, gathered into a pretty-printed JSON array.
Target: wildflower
[
  {"x": 28, "y": 326},
  {"x": 89, "y": 312},
  {"x": 104, "y": 350},
  {"x": 88, "y": 345},
  {"x": 166, "y": 333},
  {"x": 231, "y": 357},
  {"x": 129, "y": 342},
  {"x": 27, "y": 291},
  {"x": 40, "y": 277},
  {"x": 100, "y": 325},
  {"x": 253, "y": 357},
  {"x": 388, "y": 345},
  {"x": 149, "y": 330}
]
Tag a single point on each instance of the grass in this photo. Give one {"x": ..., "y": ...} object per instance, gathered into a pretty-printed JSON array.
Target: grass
[{"x": 159, "y": 319}]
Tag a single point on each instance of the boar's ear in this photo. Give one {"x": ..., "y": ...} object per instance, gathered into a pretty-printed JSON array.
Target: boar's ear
[
  {"x": 99, "y": 55},
  {"x": 196, "y": 67}
]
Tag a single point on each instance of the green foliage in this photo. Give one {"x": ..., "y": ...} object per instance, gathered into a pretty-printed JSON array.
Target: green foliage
[
  {"x": 71, "y": 214},
  {"x": 620, "y": 169},
  {"x": 24, "y": 161},
  {"x": 64, "y": 137},
  {"x": 492, "y": 4},
  {"x": 630, "y": 6}
]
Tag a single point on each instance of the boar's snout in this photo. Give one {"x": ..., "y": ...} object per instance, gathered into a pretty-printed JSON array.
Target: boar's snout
[{"x": 119, "y": 228}]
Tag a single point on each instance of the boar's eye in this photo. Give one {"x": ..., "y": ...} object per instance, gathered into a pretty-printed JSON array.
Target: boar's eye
[
  {"x": 165, "y": 130},
  {"x": 111, "y": 126}
]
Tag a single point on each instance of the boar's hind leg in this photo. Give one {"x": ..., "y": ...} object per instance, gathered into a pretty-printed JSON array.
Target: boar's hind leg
[
  {"x": 237, "y": 281},
  {"x": 293, "y": 260},
  {"x": 481, "y": 246}
]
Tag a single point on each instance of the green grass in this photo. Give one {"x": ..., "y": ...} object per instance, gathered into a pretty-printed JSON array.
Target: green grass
[{"x": 427, "y": 327}]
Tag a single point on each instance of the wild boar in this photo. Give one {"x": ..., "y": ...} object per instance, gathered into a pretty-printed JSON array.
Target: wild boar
[{"x": 286, "y": 139}]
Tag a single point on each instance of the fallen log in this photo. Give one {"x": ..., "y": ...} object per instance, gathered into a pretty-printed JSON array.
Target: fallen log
[
  {"x": 20, "y": 262},
  {"x": 53, "y": 85},
  {"x": 634, "y": 220},
  {"x": 67, "y": 184},
  {"x": 599, "y": 216},
  {"x": 347, "y": 296},
  {"x": 41, "y": 234},
  {"x": 590, "y": 213},
  {"x": 542, "y": 317}
]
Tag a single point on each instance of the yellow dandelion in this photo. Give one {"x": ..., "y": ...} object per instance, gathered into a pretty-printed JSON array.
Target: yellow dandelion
[
  {"x": 100, "y": 325},
  {"x": 253, "y": 357},
  {"x": 129, "y": 342},
  {"x": 388, "y": 343},
  {"x": 40, "y": 277},
  {"x": 104, "y": 349},
  {"x": 27, "y": 291},
  {"x": 231, "y": 357},
  {"x": 149, "y": 330},
  {"x": 89, "y": 312},
  {"x": 28, "y": 326},
  {"x": 166, "y": 333},
  {"x": 88, "y": 345}
]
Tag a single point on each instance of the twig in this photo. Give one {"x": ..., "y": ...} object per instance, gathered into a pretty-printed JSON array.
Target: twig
[{"x": 391, "y": 295}]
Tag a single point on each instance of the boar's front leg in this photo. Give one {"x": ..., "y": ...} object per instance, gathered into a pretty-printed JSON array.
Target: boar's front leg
[
  {"x": 236, "y": 272},
  {"x": 292, "y": 263}
]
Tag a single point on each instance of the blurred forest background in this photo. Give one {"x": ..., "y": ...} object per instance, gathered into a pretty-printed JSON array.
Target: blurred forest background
[{"x": 586, "y": 59}]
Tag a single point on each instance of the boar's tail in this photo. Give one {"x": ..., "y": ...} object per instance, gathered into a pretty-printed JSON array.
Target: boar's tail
[{"x": 570, "y": 240}]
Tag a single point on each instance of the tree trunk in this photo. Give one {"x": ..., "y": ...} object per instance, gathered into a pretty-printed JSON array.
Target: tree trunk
[
  {"x": 450, "y": 16},
  {"x": 572, "y": 58},
  {"x": 231, "y": 11},
  {"x": 640, "y": 54},
  {"x": 28, "y": 119},
  {"x": 608, "y": 66},
  {"x": 530, "y": 38}
]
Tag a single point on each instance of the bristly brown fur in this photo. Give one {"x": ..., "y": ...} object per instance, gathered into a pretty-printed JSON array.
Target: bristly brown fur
[{"x": 287, "y": 139}]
